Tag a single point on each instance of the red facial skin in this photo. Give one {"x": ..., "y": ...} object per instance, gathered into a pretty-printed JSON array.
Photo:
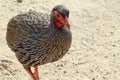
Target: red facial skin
[{"x": 61, "y": 21}]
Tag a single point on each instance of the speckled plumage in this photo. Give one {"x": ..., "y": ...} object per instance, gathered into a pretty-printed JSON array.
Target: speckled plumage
[{"x": 35, "y": 39}]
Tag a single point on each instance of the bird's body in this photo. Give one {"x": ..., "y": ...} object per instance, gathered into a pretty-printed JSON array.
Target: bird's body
[{"x": 36, "y": 40}]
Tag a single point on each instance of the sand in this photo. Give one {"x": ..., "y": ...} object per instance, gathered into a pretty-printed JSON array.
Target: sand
[{"x": 95, "y": 50}]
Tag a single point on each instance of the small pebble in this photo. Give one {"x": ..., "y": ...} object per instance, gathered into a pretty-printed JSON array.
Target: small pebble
[
  {"x": 19, "y": 1},
  {"x": 93, "y": 78},
  {"x": 65, "y": 72}
]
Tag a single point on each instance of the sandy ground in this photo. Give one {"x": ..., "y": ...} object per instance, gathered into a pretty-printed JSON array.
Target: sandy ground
[{"x": 95, "y": 50}]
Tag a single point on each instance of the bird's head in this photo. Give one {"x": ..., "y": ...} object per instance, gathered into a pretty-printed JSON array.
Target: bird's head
[{"x": 59, "y": 16}]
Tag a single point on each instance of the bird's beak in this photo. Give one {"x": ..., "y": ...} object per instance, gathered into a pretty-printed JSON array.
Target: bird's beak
[{"x": 66, "y": 22}]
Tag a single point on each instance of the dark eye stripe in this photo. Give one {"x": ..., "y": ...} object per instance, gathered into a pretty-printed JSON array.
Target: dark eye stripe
[
  {"x": 64, "y": 12},
  {"x": 63, "y": 15}
]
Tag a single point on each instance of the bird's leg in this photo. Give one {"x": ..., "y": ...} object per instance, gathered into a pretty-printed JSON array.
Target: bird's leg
[
  {"x": 30, "y": 73},
  {"x": 36, "y": 75}
]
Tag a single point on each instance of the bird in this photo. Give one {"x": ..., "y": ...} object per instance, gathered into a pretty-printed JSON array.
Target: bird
[{"x": 39, "y": 38}]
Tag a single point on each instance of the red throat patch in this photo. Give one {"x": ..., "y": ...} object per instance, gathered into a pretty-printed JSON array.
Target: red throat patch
[{"x": 59, "y": 25}]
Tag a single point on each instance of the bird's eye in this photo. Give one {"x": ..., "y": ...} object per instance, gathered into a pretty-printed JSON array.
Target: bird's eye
[{"x": 58, "y": 15}]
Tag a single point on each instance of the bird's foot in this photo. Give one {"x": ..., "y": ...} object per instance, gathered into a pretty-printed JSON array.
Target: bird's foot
[
  {"x": 36, "y": 79},
  {"x": 34, "y": 75}
]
